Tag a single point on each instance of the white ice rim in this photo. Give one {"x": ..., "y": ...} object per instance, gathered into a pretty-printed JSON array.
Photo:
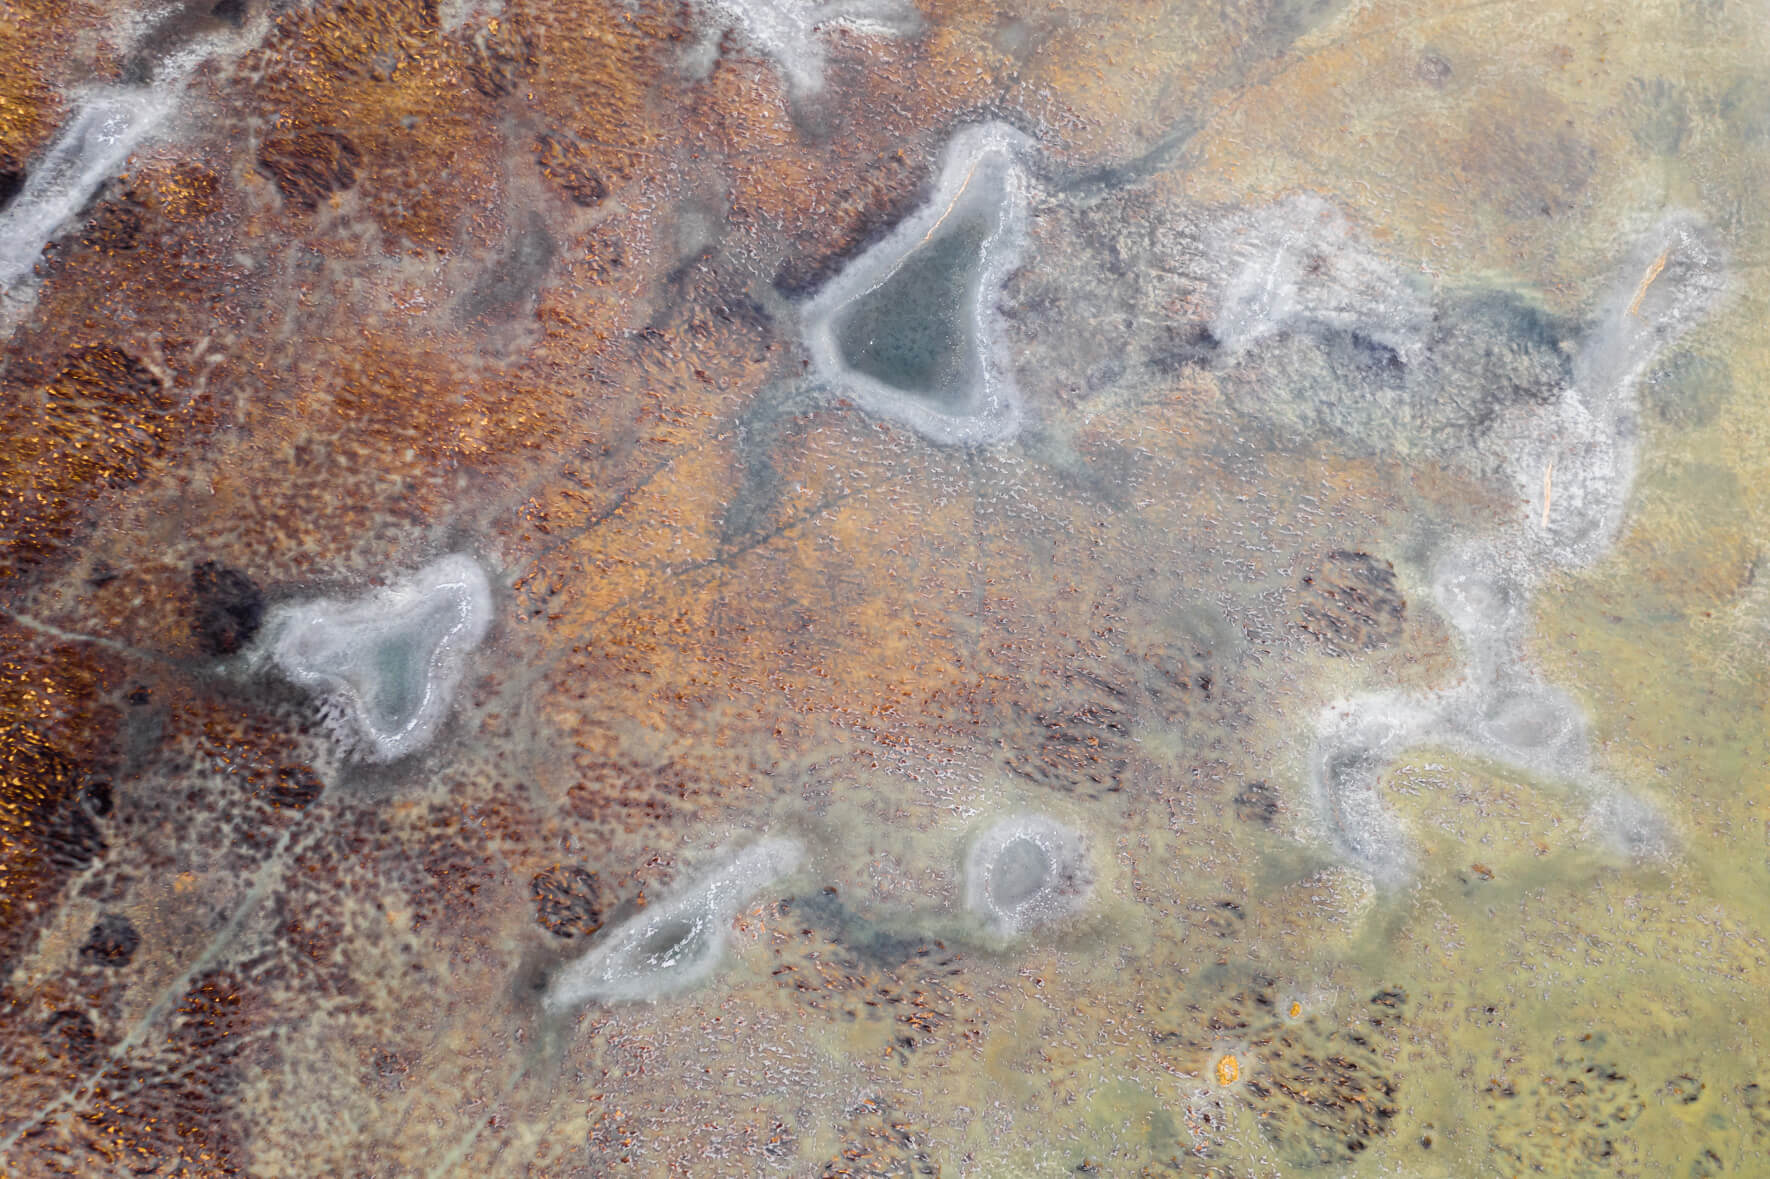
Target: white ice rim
[
  {"x": 463, "y": 584},
  {"x": 996, "y": 411}
]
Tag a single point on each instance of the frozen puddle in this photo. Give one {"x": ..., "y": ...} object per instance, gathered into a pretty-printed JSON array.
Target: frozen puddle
[
  {"x": 1024, "y": 872},
  {"x": 387, "y": 665},
  {"x": 678, "y": 943},
  {"x": 910, "y": 329}
]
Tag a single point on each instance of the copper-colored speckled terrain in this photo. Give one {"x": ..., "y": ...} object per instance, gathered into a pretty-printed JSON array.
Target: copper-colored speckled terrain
[{"x": 400, "y": 278}]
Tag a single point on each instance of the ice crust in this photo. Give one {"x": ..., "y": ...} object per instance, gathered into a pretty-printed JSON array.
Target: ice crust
[
  {"x": 790, "y": 33},
  {"x": 106, "y": 126},
  {"x": 890, "y": 295},
  {"x": 1299, "y": 265},
  {"x": 387, "y": 664},
  {"x": 675, "y": 944},
  {"x": 1571, "y": 461},
  {"x": 1026, "y": 871}
]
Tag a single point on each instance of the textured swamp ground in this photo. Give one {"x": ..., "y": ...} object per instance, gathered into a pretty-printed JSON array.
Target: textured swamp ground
[{"x": 399, "y": 280}]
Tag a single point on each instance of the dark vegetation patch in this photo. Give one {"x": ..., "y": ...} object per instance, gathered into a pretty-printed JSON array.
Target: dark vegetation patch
[
  {"x": 567, "y": 901},
  {"x": 1257, "y": 803},
  {"x": 1318, "y": 1083},
  {"x": 309, "y": 166},
  {"x": 566, "y": 166},
  {"x": 112, "y": 941},
  {"x": 227, "y": 608},
  {"x": 1575, "y": 1117},
  {"x": 1351, "y": 603},
  {"x": 46, "y": 835},
  {"x": 833, "y": 960}
]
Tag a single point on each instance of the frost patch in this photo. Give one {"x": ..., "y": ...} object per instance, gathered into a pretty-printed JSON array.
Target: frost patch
[
  {"x": 790, "y": 33},
  {"x": 106, "y": 127},
  {"x": 910, "y": 329},
  {"x": 676, "y": 944},
  {"x": 386, "y": 666},
  {"x": 1299, "y": 265},
  {"x": 1026, "y": 871},
  {"x": 1571, "y": 460}
]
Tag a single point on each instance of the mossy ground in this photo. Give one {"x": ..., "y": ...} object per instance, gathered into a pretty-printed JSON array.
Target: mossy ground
[{"x": 245, "y": 356}]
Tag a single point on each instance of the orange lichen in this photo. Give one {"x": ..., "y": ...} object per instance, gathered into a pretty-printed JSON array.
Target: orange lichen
[
  {"x": 28, "y": 101},
  {"x": 185, "y": 191},
  {"x": 378, "y": 86},
  {"x": 1228, "y": 1070}
]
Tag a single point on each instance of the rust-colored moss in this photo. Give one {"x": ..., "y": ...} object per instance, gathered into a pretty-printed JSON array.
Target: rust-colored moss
[
  {"x": 45, "y": 833},
  {"x": 102, "y": 422},
  {"x": 309, "y": 166}
]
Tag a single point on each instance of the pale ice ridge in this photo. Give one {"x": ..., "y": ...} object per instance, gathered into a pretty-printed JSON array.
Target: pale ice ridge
[
  {"x": 1300, "y": 264},
  {"x": 790, "y": 33},
  {"x": 1573, "y": 463},
  {"x": 673, "y": 945},
  {"x": 106, "y": 126}
]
